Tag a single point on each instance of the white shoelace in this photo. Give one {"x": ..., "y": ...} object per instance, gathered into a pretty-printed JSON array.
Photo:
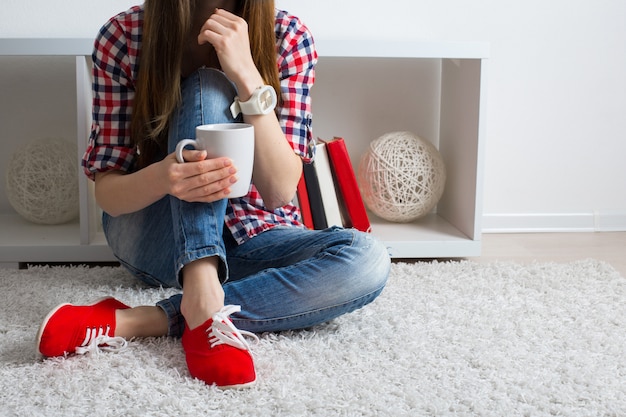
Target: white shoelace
[
  {"x": 223, "y": 331},
  {"x": 98, "y": 339}
]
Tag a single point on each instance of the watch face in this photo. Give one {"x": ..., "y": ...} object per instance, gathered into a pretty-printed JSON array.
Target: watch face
[{"x": 266, "y": 100}]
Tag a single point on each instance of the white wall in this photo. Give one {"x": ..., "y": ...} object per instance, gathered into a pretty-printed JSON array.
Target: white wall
[{"x": 556, "y": 118}]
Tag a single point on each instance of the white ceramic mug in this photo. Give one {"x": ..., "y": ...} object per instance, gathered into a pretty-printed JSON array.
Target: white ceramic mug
[{"x": 231, "y": 140}]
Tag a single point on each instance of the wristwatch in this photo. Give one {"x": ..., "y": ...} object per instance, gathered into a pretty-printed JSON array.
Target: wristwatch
[{"x": 263, "y": 101}]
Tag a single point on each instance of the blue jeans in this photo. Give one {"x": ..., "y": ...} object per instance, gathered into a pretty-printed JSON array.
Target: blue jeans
[{"x": 284, "y": 278}]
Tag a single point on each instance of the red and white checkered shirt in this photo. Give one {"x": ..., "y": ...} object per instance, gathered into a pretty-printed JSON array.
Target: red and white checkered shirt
[{"x": 116, "y": 64}]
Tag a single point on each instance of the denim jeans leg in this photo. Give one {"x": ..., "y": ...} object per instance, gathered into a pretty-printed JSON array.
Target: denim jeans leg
[
  {"x": 142, "y": 242},
  {"x": 291, "y": 278},
  {"x": 156, "y": 242}
]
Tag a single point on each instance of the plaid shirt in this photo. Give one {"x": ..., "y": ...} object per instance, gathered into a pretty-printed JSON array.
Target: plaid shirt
[{"x": 116, "y": 60}]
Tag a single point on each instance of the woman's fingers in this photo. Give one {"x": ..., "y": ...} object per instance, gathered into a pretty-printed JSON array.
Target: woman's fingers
[{"x": 201, "y": 180}]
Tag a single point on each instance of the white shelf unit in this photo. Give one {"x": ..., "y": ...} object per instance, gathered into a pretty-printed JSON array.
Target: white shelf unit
[
  {"x": 363, "y": 89},
  {"x": 59, "y": 88},
  {"x": 436, "y": 90}
]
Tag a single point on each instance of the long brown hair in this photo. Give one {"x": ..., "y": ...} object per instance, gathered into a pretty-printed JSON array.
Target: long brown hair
[{"x": 157, "y": 90}]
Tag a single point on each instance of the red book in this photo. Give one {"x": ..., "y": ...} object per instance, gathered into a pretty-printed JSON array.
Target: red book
[
  {"x": 347, "y": 187},
  {"x": 304, "y": 204}
]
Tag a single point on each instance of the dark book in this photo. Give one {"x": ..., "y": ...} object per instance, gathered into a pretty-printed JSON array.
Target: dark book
[{"x": 315, "y": 197}]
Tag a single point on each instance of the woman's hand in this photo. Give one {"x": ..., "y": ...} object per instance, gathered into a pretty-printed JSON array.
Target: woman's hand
[
  {"x": 228, "y": 33},
  {"x": 199, "y": 179}
]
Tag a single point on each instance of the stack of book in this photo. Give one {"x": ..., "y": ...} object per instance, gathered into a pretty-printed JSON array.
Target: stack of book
[{"x": 328, "y": 193}]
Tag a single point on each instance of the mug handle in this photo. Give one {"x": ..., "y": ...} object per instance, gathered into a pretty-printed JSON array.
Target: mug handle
[{"x": 181, "y": 145}]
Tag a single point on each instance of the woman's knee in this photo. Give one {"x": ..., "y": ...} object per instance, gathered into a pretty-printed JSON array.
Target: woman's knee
[
  {"x": 367, "y": 261},
  {"x": 375, "y": 261},
  {"x": 206, "y": 98},
  {"x": 216, "y": 94}
]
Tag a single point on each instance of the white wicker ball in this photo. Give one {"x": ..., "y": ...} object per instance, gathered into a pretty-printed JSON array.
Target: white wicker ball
[
  {"x": 401, "y": 177},
  {"x": 42, "y": 181}
]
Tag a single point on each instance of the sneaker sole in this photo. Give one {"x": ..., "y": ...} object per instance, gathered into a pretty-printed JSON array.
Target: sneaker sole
[
  {"x": 238, "y": 386},
  {"x": 52, "y": 313}
]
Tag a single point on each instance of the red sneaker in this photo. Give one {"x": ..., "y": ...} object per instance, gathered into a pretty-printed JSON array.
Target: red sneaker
[
  {"x": 80, "y": 329},
  {"x": 217, "y": 353}
]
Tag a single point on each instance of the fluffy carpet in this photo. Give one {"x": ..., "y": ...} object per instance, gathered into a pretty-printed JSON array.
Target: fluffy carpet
[{"x": 453, "y": 338}]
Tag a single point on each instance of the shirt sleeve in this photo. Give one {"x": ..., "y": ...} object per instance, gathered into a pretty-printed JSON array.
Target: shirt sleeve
[
  {"x": 109, "y": 146},
  {"x": 296, "y": 66}
]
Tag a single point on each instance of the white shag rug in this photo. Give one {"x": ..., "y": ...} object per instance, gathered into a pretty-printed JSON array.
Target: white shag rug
[{"x": 443, "y": 339}]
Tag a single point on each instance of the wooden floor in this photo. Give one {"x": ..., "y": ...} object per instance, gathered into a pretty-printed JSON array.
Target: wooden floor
[{"x": 556, "y": 247}]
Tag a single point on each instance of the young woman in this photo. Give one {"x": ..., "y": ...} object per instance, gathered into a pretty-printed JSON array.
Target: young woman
[{"x": 160, "y": 70}]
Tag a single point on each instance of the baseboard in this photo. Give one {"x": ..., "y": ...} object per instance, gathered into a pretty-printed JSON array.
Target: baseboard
[{"x": 598, "y": 221}]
